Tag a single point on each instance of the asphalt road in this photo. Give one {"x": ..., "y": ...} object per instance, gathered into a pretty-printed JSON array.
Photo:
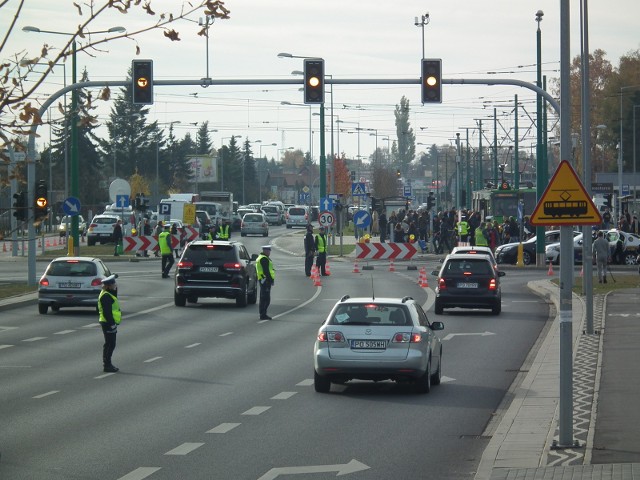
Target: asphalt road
[{"x": 210, "y": 392}]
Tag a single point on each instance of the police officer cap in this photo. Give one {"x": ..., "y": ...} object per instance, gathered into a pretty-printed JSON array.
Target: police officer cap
[
  {"x": 166, "y": 225},
  {"x": 110, "y": 280},
  {"x": 266, "y": 247}
]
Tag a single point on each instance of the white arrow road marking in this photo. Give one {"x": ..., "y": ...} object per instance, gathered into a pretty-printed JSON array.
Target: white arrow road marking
[
  {"x": 224, "y": 428},
  {"x": 140, "y": 473},
  {"x": 482, "y": 334},
  {"x": 342, "y": 469}
]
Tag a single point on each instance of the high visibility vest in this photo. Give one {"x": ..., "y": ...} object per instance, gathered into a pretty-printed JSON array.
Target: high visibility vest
[
  {"x": 223, "y": 232},
  {"x": 117, "y": 314},
  {"x": 259, "y": 272},
  {"x": 481, "y": 241},
  {"x": 322, "y": 245},
  {"x": 165, "y": 247},
  {"x": 463, "y": 227}
]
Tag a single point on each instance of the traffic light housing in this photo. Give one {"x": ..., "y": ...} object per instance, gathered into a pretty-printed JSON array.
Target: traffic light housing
[
  {"x": 431, "y": 201},
  {"x": 313, "y": 81},
  {"x": 20, "y": 206},
  {"x": 431, "y": 80},
  {"x": 41, "y": 201},
  {"x": 398, "y": 173},
  {"x": 142, "y": 78}
]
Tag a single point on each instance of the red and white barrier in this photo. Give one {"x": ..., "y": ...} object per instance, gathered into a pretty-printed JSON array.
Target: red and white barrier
[{"x": 382, "y": 251}]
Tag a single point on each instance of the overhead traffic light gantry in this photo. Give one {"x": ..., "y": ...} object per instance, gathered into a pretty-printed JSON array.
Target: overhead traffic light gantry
[
  {"x": 313, "y": 80},
  {"x": 431, "y": 83},
  {"x": 41, "y": 201},
  {"x": 142, "y": 78}
]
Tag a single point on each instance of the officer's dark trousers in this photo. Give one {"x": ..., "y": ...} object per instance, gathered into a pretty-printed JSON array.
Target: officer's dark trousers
[
  {"x": 265, "y": 298},
  {"x": 308, "y": 263},
  {"x": 321, "y": 262},
  {"x": 167, "y": 263},
  {"x": 109, "y": 344}
]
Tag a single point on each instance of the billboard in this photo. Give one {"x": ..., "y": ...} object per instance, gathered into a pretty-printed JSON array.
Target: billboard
[{"x": 204, "y": 168}]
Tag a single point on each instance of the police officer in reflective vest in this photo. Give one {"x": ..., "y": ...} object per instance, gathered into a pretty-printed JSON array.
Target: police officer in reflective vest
[
  {"x": 223, "y": 231},
  {"x": 164, "y": 242},
  {"x": 321, "y": 249},
  {"x": 266, "y": 275},
  {"x": 463, "y": 229},
  {"x": 110, "y": 316}
]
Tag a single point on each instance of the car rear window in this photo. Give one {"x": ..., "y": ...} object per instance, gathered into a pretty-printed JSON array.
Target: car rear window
[
  {"x": 253, "y": 217},
  {"x": 478, "y": 266},
  {"x": 72, "y": 268},
  {"x": 105, "y": 220},
  {"x": 297, "y": 211},
  {"x": 199, "y": 254},
  {"x": 270, "y": 209},
  {"x": 370, "y": 314}
]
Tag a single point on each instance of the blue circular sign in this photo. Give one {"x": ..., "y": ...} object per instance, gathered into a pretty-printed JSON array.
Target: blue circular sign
[{"x": 361, "y": 219}]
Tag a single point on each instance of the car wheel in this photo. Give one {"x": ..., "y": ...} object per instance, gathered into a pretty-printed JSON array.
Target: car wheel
[
  {"x": 321, "y": 384},
  {"x": 526, "y": 258},
  {"x": 497, "y": 309},
  {"x": 629, "y": 259},
  {"x": 179, "y": 299},
  {"x": 243, "y": 298},
  {"x": 423, "y": 384},
  {"x": 437, "y": 308},
  {"x": 42, "y": 308},
  {"x": 436, "y": 377},
  {"x": 253, "y": 296}
]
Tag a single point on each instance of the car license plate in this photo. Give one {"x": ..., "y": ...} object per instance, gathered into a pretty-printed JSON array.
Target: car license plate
[
  {"x": 69, "y": 285},
  {"x": 369, "y": 344},
  {"x": 208, "y": 269},
  {"x": 467, "y": 285}
]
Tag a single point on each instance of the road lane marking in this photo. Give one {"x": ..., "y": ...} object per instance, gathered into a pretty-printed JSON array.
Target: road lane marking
[
  {"x": 341, "y": 469},
  {"x": 224, "y": 428},
  {"x": 5, "y": 346},
  {"x": 480, "y": 334},
  {"x": 305, "y": 383},
  {"x": 92, "y": 325},
  {"x": 193, "y": 345},
  {"x": 33, "y": 339},
  {"x": 184, "y": 449},
  {"x": 64, "y": 332},
  {"x": 283, "y": 396},
  {"x": 152, "y": 359},
  {"x": 42, "y": 395},
  {"x": 315, "y": 295},
  {"x": 256, "y": 411},
  {"x": 2, "y": 329},
  {"x": 225, "y": 334},
  {"x": 140, "y": 473},
  {"x": 150, "y": 310}
]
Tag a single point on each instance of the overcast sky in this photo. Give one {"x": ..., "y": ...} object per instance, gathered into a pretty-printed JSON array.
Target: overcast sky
[{"x": 358, "y": 39}]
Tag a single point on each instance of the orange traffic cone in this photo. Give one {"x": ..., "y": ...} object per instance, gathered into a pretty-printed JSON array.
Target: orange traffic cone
[
  {"x": 316, "y": 278},
  {"x": 422, "y": 278},
  {"x": 550, "y": 272},
  {"x": 392, "y": 267},
  {"x": 314, "y": 272},
  {"x": 355, "y": 267},
  {"x": 327, "y": 272},
  {"x": 48, "y": 243}
]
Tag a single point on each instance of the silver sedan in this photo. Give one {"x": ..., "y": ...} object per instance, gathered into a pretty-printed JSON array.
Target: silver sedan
[{"x": 378, "y": 339}]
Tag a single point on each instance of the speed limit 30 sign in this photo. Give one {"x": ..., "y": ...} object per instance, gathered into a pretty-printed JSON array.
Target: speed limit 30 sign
[{"x": 326, "y": 219}]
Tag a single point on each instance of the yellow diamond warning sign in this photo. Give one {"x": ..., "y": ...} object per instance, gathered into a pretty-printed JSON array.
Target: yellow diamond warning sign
[{"x": 565, "y": 201}]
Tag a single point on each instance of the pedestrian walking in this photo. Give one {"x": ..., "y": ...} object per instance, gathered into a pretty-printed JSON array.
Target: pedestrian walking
[
  {"x": 309, "y": 250},
  {"x": 117, "y": 237},
  {"x": 266, "y": 275},
  {"x": 174, "y": 231},
  {"x": 110, "y": 316},
  {"x": 164, "y": 242},
  {"x": 321, "y": 250},
  {"x": 601, "y": 253},
  {"x": 382, "y": 225},
  {"x": 146, "y": 231}
]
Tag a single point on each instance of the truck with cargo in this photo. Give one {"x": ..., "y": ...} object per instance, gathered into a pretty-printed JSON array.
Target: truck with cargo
[{"x": 219, "y": 205}]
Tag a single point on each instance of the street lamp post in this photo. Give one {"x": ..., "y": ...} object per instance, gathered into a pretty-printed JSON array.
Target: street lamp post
[
  {"x": 74, "y": 120},
  {"x": 541, "y": 167}
]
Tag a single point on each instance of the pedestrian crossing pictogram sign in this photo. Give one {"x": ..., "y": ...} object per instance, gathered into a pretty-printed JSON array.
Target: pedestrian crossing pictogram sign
[
  {"x": 565, "y": 201},
  {"x": 358, "y": 189}
]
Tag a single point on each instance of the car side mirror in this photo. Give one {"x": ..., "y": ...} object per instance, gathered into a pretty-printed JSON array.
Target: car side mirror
[
  {"x": 254, "y": 257},
  {"x": 435, "y": 273},
  {"x": 437, "y": 326}
]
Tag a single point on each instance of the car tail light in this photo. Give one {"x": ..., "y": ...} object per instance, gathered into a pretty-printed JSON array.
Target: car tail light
[
  {"x": 232, "y": 267},
  {"x": 467, "y": 273},
  {"x": 442, "y": 284},
  {"x": 333, "y": 337},
  {"x": 406, "y": 337},
  {"x": 185, "y": 264},
  {"x": 492, "y": 284},
  {"x": 96, "y": 282},
  {"x": 44, "y": 282}
]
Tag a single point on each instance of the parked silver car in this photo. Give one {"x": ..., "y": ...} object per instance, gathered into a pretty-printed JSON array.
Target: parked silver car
[
  {"x": 254, "y": 224},
  {"x": 378, "y": 339},
  {"x": 71, "y": 282}
]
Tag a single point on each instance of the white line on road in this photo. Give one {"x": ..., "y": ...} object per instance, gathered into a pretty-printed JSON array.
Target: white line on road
[
  {"x": 64, "y": 332},
  {"x": 224, "y": 428},
  {"x": 42, "y": 395},
  {"x": 193, "y": 345},
  {"x": 104, "y": 375},
  {"x": 256, "y": 410},
  {"x": 33, "y": 339},
  {"x": 184, "y": 449},
  {"x": 2, "y": 329},
  {"x": 316, "y": 295},
  {"x": 225, "y": 334},
  {"x": 283, "y": 396},
  {"x": 154, "y": 309},
  {"x": 140, "y": 473},
  {"x": 5, "y": 346},
  {"x": 305, "y": 383},
  {"x": 92, "y": 325},
  {"x": 152, "y": 359},
  {"x": 479, "y": 334}
]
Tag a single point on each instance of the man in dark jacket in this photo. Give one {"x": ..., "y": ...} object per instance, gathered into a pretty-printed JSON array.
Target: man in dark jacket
[
  {"x": 309, "y": 250},
  {"x": 117, "y": 237}
]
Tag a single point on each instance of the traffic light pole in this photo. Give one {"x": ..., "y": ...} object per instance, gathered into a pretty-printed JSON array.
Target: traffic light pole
[{"x": 74, "y": 154}]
